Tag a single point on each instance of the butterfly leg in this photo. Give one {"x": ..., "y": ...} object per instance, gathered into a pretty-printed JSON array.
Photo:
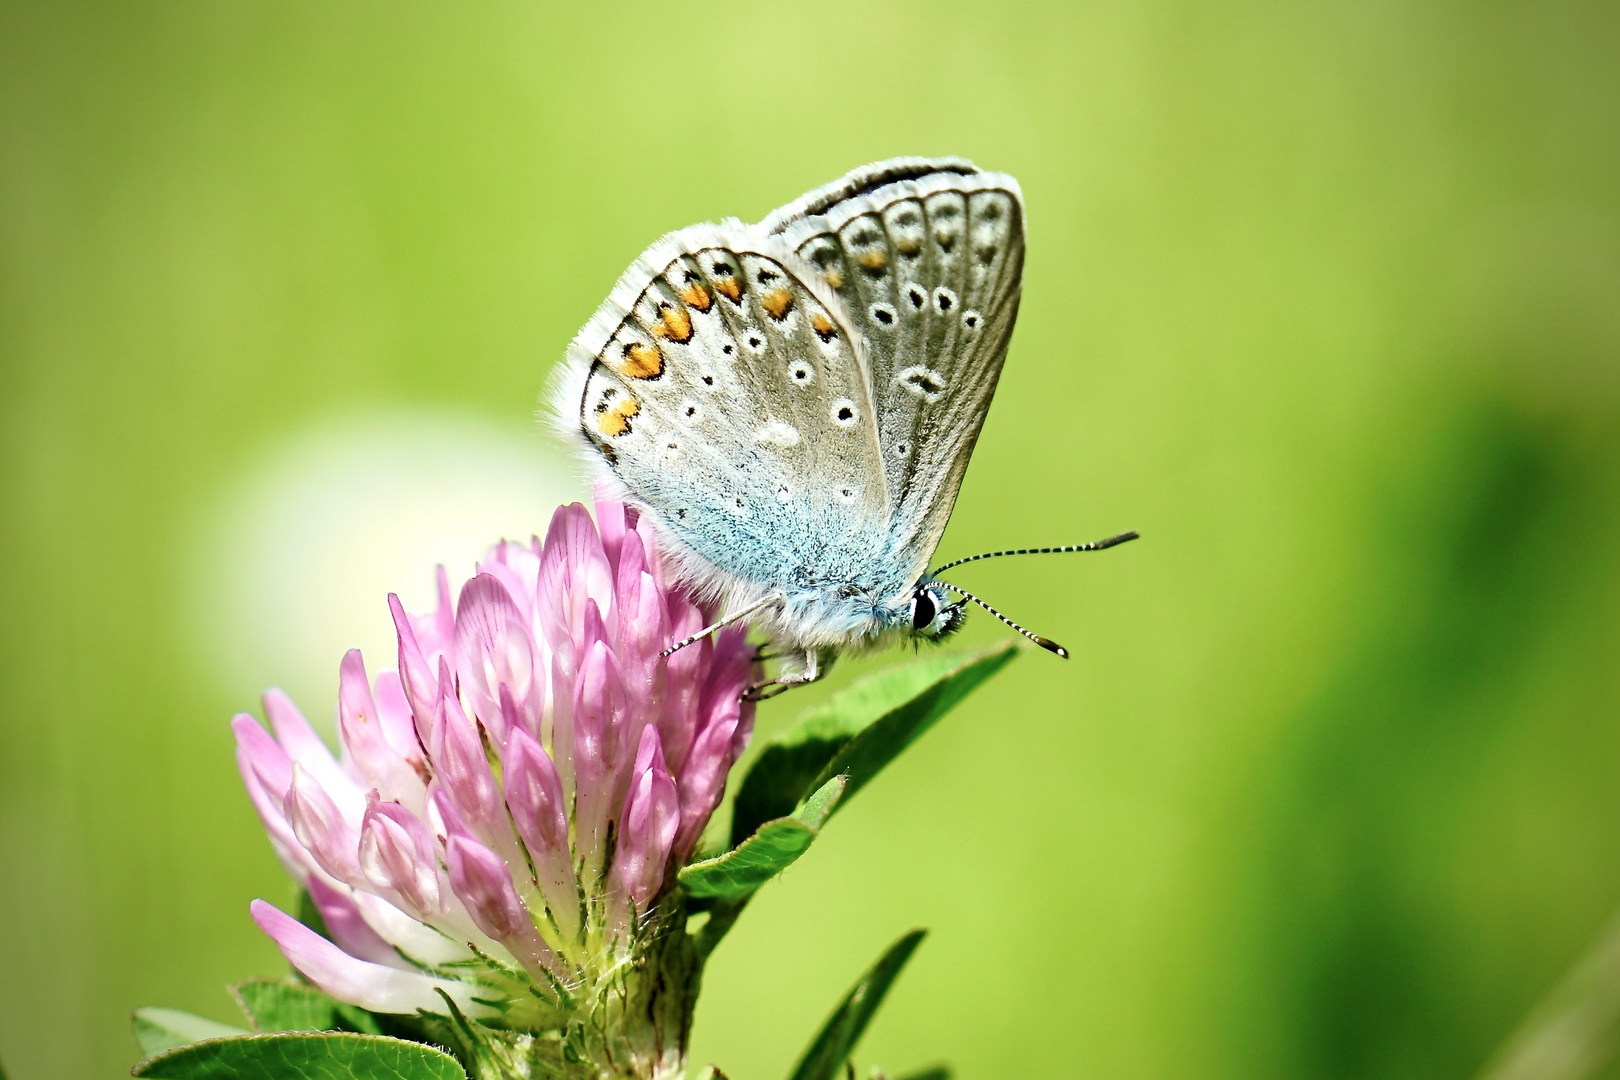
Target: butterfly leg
[{"x": 814, "y": 667}]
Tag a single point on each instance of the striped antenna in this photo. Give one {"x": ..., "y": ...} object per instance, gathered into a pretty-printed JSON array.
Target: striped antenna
[
  {"x": 1095, "y": 545},
  {"x": 1045, "y": 643}
]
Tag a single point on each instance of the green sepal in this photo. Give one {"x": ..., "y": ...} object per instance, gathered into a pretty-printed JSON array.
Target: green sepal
[
  {"x": 157, "y": 1030},
  {"x": 302, "y": 1056},
  {"x": 858, "y": 731},
  {"x": 825, "y": 1056},
  {"x": 288, "y": 1005},
  {"x": 770, "y": 850}
]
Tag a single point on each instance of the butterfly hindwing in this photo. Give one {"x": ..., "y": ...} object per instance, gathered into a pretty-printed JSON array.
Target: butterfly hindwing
[
  {"x": 928, "y": 257},
  {"x": 726, "y": 388}
]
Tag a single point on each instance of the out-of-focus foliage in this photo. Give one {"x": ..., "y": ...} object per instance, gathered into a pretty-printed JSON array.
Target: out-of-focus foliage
[{"x": 1323, "y": 299}]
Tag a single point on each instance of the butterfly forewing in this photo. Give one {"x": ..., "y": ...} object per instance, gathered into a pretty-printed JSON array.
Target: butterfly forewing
[
  {"x": 930, "y": 267},
  {"x": 727, "y": 390}
]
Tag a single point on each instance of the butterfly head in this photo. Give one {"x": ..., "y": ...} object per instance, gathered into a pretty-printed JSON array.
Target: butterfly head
[{"x": 933, "y": 615}]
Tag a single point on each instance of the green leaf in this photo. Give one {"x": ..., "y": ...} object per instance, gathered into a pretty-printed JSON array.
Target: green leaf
[
  {"x": 836, "y": 1040},
  {"x": 303, "y": 1057},
  {"x": 288, "y": 1005},
  {"x": 772, "y": 849},
  {"x": 158, "y": 1030},
  {"x": 858, "y": 731},
  {"x": 284, "y": 1005}
]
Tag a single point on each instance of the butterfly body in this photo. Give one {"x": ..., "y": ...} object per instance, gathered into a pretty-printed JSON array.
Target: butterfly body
[{"x": 794, "y": 402}]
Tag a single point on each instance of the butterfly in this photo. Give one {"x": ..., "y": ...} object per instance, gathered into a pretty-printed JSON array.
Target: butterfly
[{"x": 793, "y": 403}]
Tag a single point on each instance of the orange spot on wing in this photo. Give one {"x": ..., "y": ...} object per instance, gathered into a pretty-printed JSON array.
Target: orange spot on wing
[
  {"x": 777, "y": 303},
  {"x": 677, "y": 324},
  {"x": 696, "y": 297},
  {"x": 730, "y": 288},
  {"x": 834, "y": 278},
  {"x": 907, "y": 246},
  {"x": 822, "y": 326},
  {"x": 873, "y": 261},
  {"x": 616, "y": 421},
  {"x": 642, "y": 361}
]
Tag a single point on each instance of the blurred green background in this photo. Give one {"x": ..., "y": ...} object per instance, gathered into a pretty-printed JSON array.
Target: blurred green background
[{"x": 1323, "y": 298}]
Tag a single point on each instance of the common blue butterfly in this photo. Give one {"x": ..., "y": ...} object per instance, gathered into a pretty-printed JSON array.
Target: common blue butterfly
[{"x": 794, "y": 402}]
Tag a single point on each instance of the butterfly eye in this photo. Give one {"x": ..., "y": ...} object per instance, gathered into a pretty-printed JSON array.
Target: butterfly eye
[
  {"x": 844, "y": 413},
  {"x": 944, "y": 299},
  {"x": 883, "y": 314},
  {"x": 970, "y": 319},
  {"x": 922, "y": 610},
  {"x": 917, "y": 297},
  {"x": 802, "y": 373}
]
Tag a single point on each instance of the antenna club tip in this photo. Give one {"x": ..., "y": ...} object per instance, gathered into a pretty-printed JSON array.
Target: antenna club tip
[{"x": 1052, "y": 647}]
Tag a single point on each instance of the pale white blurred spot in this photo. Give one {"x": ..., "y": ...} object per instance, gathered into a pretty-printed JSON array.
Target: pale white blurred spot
[{"x": 294, "y": 565}]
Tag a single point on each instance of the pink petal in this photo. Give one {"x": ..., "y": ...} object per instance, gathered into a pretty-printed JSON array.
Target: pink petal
[
  {"x": 574, "y": 573},
  {"x": 261, "y": 754},
  {"x": 703, "y": 782},
  {"x": 492, "y": 651},
  {"x": 424, "y": 945},
  {"x": 421, "y": 687},
  {"x": 397, "y": 857},
  {"x": 516, "y": 567},
  {"x": 734, "y": 668},
  {"x": 282, "y": 838},
  {"x": 647, "y": 827},
  {"x": 483, "y": 883},
  {"x": 299, "y": 740},
  {"x": 357, "y": 982},
  {"x": 599, "y": 717},
  {"x": 321, "y": 827},
  {"x": 611, "y": 525},
  {"x": 399, "y": 727},
  {"x": 346, "y": 926},
  {"x": 365, "y": 740},
  {"x": 460, "y": 766},
  {"x": 534, "y": 795}
]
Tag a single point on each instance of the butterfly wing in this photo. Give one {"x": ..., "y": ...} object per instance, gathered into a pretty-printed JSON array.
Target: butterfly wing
[
  {"x": 723, "y": 387},
  {"x": 928, "y": 256}
]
